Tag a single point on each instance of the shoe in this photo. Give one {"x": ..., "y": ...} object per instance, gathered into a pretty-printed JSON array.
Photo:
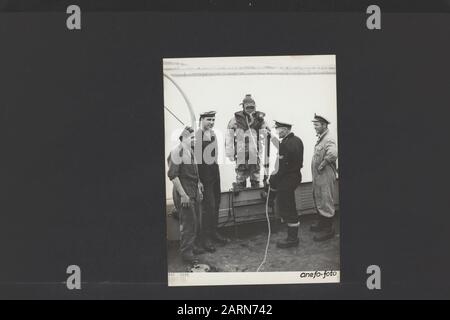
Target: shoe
[
  {"x": 238, "y": 187},
  {"x": 328, "y": 229},
  {"x": 291, "y": 240},
  {"x": 216, "y": 237},
  {"x": 254, "y": 184},
  {"x": 284, "y": 244}
]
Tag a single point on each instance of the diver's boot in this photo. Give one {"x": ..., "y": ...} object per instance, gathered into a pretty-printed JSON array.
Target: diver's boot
[
  {"x": 291, "y": 240},
  {"x": 238, "y": 187},
  {"x": 319, "y": 226},
  {"x": 328, "y": 229},
  {"x": 254, "y": 183}
]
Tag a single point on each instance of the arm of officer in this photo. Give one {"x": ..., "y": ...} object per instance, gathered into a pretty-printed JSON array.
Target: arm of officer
[{"x": 296, "y": 154}]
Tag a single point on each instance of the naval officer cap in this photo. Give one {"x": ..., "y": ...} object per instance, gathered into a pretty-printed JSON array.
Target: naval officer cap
[
  {"x": 208, "y": 114},
  {"x": 279, "y": 124},
  {"x": 318, "y": 118}
]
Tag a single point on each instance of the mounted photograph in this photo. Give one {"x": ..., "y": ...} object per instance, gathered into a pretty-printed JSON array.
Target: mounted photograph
[{"x": 251, "y": 170}]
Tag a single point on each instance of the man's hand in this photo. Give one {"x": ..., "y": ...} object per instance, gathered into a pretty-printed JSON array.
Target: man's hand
[
  {"x": 271, "y": 181},
  {"x": 272, "y": 193},
  {"x": 231, "y": 158},
  {"x": 275, "y": 141},
  {"x": 321, "y": 167},
  {"x": 185, "y": 201},
  {"x": 201, "y": 189}
]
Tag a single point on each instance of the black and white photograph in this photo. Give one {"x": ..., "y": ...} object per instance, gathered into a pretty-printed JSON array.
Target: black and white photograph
[
  {"x": 252, "y": 183},
  {"x": 224, "y": 155}
]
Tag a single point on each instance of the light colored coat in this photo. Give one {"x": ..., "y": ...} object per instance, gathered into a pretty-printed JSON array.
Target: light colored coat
[{"x": 325, "y": 156}]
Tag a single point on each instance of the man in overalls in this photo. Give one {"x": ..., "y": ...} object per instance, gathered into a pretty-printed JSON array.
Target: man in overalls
[{"x": 187, "y": 194}]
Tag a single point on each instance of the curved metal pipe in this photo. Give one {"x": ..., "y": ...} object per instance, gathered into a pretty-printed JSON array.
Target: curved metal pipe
[{"x": 186, "y": 99}]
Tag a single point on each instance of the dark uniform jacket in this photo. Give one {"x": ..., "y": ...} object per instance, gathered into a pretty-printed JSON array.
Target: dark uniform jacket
[{"x": 290, "y": 159}]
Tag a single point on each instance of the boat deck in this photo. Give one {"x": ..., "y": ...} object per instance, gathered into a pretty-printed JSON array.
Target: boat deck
[{"x": 246, "y": 250}]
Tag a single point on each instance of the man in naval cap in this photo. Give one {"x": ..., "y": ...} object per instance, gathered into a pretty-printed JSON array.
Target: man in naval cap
[
  {"x": 324, "y": 170},
  {"x": 285, "y": 179},
  {"x": 208, "y": 168}
]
